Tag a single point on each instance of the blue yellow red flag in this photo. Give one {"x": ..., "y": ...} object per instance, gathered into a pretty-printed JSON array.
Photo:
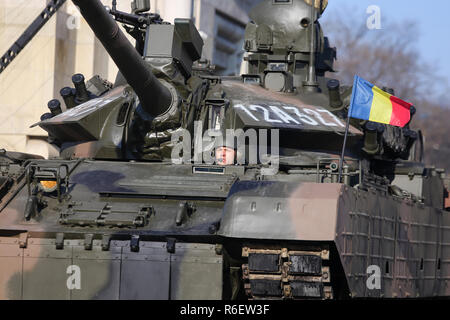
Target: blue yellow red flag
[{"x": 369, "y": 102}]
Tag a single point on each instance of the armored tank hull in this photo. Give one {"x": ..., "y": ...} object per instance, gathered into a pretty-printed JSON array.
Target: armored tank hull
[{"x": 137, "y": 230}]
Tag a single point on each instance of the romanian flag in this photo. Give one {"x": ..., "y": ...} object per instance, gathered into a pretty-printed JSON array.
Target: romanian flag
[{"x": 371, "y": 103}]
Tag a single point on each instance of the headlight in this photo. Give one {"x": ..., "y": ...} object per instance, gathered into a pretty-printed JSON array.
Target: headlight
[{"x": 48, "y": 186}]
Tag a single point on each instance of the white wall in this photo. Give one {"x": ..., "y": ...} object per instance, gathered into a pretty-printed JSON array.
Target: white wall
[{"x": 172, "y": 9}]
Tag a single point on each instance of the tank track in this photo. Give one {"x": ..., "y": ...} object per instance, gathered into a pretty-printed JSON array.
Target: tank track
[{"x": 274, "y": 274}]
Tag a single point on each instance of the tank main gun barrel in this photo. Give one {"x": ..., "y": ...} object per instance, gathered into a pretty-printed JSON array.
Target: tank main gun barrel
[{"x": 153, "y": 95}]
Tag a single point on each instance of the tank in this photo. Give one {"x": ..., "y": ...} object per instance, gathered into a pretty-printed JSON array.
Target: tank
[{"x": 175, "y": 183}]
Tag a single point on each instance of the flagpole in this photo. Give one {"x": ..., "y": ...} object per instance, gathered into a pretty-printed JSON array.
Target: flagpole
[
  {"x": 347, "y": 128},
  {"x": 341, "y": 161}
]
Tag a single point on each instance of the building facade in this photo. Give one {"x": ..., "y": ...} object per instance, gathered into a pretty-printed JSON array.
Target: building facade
[{"x": 66, "y": 46}]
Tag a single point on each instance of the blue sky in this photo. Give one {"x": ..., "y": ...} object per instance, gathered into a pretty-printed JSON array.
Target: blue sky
[{"x": 432, "y": 18}]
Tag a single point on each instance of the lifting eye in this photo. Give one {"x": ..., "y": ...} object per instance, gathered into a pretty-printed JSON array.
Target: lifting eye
[{"x": 305, "y": 22}]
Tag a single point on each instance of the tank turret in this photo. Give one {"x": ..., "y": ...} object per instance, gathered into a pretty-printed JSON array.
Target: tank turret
[
  {"x": 287, "y": 54},
  {"x": 125, "y": 120}
]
